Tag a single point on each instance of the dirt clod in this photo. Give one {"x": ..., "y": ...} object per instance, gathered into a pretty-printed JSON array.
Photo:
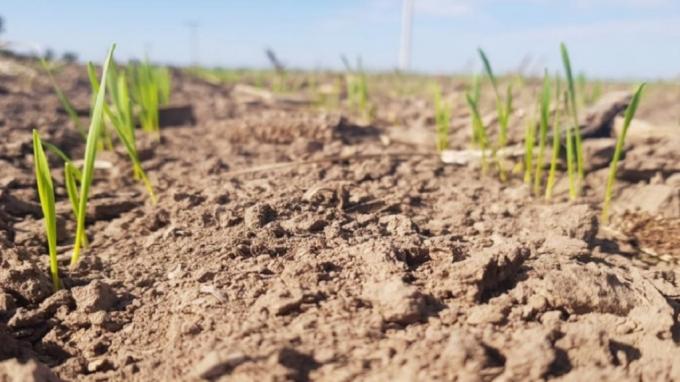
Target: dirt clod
[{"x": 93, "y": 297}]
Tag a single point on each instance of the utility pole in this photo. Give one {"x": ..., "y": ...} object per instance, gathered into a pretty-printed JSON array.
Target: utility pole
[
  {"x": 406, "y": 27},
  {"x": 193, "y": 41}
]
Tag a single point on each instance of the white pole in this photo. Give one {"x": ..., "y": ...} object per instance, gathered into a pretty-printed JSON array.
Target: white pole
[{"x": 405, "y": 47}]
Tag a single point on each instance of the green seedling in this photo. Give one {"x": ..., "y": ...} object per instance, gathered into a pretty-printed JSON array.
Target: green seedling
[
  {"x": 589, "y": 94},
  {"x": 571, "y": 157},
  {"x": 145, "y": 93},
  {"x": 46, "y": 194},
  {"x": 71, "y": 178},
  {"x": 472, "y": 97},
  {"x": 529, "y": 143},
  {"x": 613, "y": 167},
  {"x": 503, "y": 110},
  {"x": 479, "y": 136},
  {"x": 543, "y": 132},
  {"x": 65, "y": 103},
  {"x": 575, "y": 130},
  {"x": 120, "y": 115},
  {"x": 442, "y": 120},
  {"x": 556, "y": 131},
  {"x": 106, "y": 143},
  {"x": 164, "y": 80},
  {"x": 90, "y": 155}
]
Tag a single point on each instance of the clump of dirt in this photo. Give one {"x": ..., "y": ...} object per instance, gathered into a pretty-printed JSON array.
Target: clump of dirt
[{"x": 369, "y": 267}]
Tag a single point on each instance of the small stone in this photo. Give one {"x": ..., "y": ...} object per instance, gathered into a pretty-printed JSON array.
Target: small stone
[
  {"x": 94, "y": 297},
  {"x": 98, "y": 318},
  {"x": 101, "y": 364},
  {"x": 399, "y": 225},
  {"x": 397, "y": 301},
  {"x": 259, "y": 215},
  {"x": 552, "y": 317},
  {"x": 486, "y": 314}
]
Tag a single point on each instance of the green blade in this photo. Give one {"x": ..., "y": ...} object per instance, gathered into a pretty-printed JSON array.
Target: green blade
[
  {"x": 489, "y": 71},
  {"x": 613, "y": 167},
  {"x": 90, "y": 156},
  {"x": 46, "y": 195}
]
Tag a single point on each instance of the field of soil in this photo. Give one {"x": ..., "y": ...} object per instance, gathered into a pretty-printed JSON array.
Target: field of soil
[{"x": 296, "y": 242}]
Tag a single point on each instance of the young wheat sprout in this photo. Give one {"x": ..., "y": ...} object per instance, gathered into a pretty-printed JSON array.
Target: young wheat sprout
[
  {"x": 556, "y": 131},
  {"x": 442, "y": 120},
  {"x": 120, "y": 115},
  {"x": 573, "y": 109},
  {"x": 46, "y": 194},
  {"x": 503, "y": 110},
  {"x": 543, "y": 133},
  {"x": 90, "y": 155},
  {"x": 571, "y": 171},
  {"x": 529, "y": 143},
  {"x": 613, "y": 166}
]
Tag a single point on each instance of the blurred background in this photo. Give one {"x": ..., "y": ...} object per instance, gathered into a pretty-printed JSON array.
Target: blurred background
[{"x": 608, "y": 39}]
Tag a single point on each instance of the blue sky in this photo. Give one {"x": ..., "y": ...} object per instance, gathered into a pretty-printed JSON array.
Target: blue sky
[{"x": 607, "y": 38}]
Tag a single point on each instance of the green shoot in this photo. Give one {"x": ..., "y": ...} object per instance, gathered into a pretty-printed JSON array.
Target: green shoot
[
  {"x": 571, "y": 171},
  {"x": 529, "y": 143},
  {"x": 56, "y": 151},
  {"x": 90, "y": 154},
  {"x": 573, "y": 109},
  {"x": 630, "y": 113},
  {"x": 65, "y": 103},
  {"x": 442, "y": 120},
  {"x": 120, "y": 115},
  {"x": 555, "y": 147},
  {"x": 543, "y": 132},
  {"x": 106, "y": 142},
  {"x": 503, "y": 109},
  {"x": 472, "y": 98},
  {"x": 145, "y": 92},
  {"x": 46, "y": 194},
  {"x": 164, "y": 80},
  {"x": 71, "y": 175},
  {"x": 357, "y": 91},
  {"x": 479, "y": 136},
  {"x": 489, "y": 71}
]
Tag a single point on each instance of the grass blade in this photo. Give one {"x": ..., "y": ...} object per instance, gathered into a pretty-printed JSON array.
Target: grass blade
[
  {"x": 46, "y": 194},
  {"x": 613, "y": 167},
  {"x": 571, "y": 171},
  {"x": 576, "y": 129},
  {"x": 442, "y": 120},
  {"x": 121, "y": 119},
  {"x": 489, "y": 71},
  {"x": 556, "y": 131},
  {"x": 90, "y": 155},
  {"x": 543, "y": 132},
  {"x": 71, "y": 175},
  {"x": 529, "y": 142},
  {"x": 479, "y": 136},
  {"x": 106, "y": 142}
]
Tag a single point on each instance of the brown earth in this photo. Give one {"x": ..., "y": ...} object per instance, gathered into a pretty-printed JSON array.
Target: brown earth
[{"x": 369, "y": 259}]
